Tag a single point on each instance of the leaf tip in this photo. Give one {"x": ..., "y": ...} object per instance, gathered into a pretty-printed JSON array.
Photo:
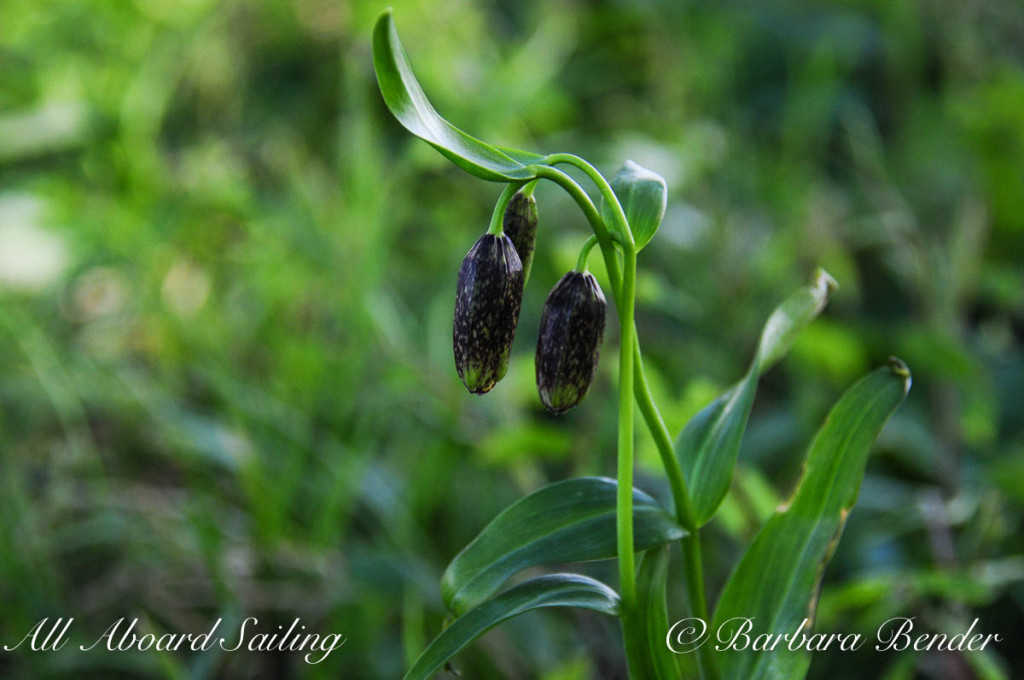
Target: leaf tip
[
  {"x": 900, "y": 369},
  {"x": 384, "y": 19},
  {"x": 822, "y": 279}
]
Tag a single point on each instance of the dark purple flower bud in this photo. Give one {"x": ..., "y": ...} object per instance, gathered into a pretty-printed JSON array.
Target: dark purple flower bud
[
  {"x": 490, "y": 291},
  {"x": 520, "y": 225},
  {"x": 571, "y": 331}
]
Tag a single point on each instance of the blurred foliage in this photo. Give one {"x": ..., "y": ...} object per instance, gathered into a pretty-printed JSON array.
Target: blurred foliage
[{"x": 226, "y": 282}]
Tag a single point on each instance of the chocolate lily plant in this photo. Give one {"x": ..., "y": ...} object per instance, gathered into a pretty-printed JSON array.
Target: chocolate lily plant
[{"x": 775, "y": 581}]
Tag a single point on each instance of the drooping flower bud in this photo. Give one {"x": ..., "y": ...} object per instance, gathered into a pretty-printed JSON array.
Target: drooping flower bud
[
  {"x": 571, "y": 331},
  {"x": 487, "y": 301},
  {"x": 520, "y": 225}
]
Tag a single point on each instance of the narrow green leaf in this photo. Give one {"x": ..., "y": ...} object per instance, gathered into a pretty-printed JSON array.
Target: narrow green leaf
[
  {"x": 653, "y": 615},
  {"x": 557, "y": 590},
  {"x": 708, "y": 445},
  {"x": 570, "y": 521},
  {"x": 643, "y": 195},
  {"x": 775, "y": 582},
  {"x": 791, "y": 317},
  {"x": 405, "y": 99}
]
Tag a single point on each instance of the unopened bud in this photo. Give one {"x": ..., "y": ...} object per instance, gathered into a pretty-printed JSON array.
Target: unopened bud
[
  {"x": 487, "y": 301},
  {"x": 520, "y": 225},
  {"x": 571, "y": 331}
]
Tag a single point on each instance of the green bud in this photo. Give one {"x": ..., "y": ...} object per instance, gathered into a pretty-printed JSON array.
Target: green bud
[
  {"x": 520, "y": 225},
  {"x": 571, "y": 330},
  {"x": 487, "y": 301}
]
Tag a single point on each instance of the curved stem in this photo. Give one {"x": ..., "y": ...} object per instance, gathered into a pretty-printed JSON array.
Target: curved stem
[
  {"x": 604, "y": 238},
  {"x": 652, "y": 417},
  {"x": 625, "y": 304},
  {"x": 663, "y": 442},
  {"x": 645, "y": 401},
  {"x": 496, "y": 227},
  {"x": 684, "y": 510},
  {"x": 624, "y": 289},
  {"x": 618, "y": 216},
  {"x": 581, "y": 261}
]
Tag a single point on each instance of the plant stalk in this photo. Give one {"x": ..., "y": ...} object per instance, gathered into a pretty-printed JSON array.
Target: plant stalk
[
  {"x": 581, "y": 261},
  {"x": 690, "y": 544},
  {"x": 496, "y": 227},
  {"x": 626, "y": 305},
  {"x": 624, "y": 506}
]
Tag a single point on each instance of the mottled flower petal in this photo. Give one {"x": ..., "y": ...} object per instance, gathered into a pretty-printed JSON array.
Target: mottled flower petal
[
  {"x": 571, "y": 331},
  {"x": 487, "y": 301}
]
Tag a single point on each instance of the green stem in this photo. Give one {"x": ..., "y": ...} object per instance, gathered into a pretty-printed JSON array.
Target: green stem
[
  {"x": 610, "y": 199},
  {"x": 645, "y": 400},
  {"x": 663, "y": 442},
  {"x": 627, "y": 566},
  {"x": 698, "y": 602},
  {"x": 604, "y": 237},
  {"x": 627, "y": 331},
  {"x": 690, "y": 543},
  {"x": 496, "y": 227},
  {"x": 581, "y": 261},
  {"x": 624, "y": 287},
  {"x": 652, "y": 417}
]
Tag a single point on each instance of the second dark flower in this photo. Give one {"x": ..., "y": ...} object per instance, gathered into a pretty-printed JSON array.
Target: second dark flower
[{"x": 571, "y": 331}]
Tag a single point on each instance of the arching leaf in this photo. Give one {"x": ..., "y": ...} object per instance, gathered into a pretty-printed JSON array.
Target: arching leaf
[
  {"x": 558, "y": 590},
  {"x": 570, "y": 521},
  {"x": 405, "y": 99}
]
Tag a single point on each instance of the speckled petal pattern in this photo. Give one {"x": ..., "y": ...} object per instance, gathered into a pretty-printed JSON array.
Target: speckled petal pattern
[
  {"x": 571, "y": 331},
  {"x": 487, "y": 301}
]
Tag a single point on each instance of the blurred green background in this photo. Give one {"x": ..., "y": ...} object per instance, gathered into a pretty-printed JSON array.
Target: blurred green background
[{"x": 226, "y": 288}]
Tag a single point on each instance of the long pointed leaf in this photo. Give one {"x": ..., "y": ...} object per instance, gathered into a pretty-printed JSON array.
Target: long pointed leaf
[
  {"x": 570, "y": 521},
  {"x": 558, "y": 590},
  {"x": 405, "y": 99},
  {"x": 775, "y": 581},
  {"x": 708, "y": 445}
]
